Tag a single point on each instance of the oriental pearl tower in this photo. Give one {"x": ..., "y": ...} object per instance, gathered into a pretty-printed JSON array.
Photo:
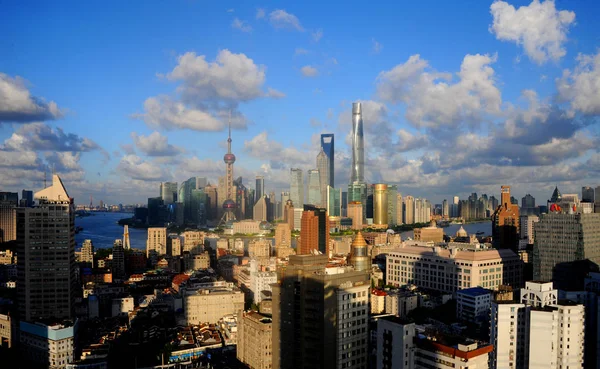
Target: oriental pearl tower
[{"x": 229, "y": 204}]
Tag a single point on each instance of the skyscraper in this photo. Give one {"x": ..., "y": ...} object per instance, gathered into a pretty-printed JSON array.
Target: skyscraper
[
  {"x": 505, "y": 223},
  {"x": 320, "y": 319},
  {"x": 328, "y": 147},
  {"x": 314, "y": 232},
  {"x": 126, "y": 243},
  {"x": 357, "y": 173},
  {"x": 297, "y": 187},
  {"x": 8, "y": 216},
  {"x": 392, "y": 194},
  {"x": 399, "y": 209},
  {"x": 380, "y": 204},
  {"x": 314, "y": 187},
  {"x": 229, "y": 205},
  {"x": 168, "y": 192},
  {"x": 334, "y": 202},
  {"x": 359, "y": 258},
  {"x": 355, "y": 212},
  {"x": 260, "y": 188},
  {"x": 587, "y": 194},
  {"x": 87, "y": 253},
  {"x": 46, "y": 249},
  {"x": 562, "y": 239},
  {"x": 323, "y": 167},
  {"x": 528, "y": 201},
  {"x": 445, "y": 209},
  {"x": 409, "y": 210},
  {"x": 118, "y": 261},
  {"x": 260, "y": 209}
]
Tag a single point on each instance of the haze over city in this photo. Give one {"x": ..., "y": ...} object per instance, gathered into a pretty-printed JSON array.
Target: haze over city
[{"x": 457, "y": 97}]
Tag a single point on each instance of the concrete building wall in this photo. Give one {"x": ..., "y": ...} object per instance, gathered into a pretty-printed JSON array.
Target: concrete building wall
[
  {"x": 254, "y": 340},
  {"x": 206, "y": 306}
]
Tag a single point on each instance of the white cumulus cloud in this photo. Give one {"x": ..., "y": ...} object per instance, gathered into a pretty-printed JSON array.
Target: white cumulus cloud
[
  {"x": 17, "y": 104},
  {"x": 309, "y": 71},
  {"x": 581, "y": 87},
  {"x": 281, "y": 19},
  {"x": 539, "y": 27}
]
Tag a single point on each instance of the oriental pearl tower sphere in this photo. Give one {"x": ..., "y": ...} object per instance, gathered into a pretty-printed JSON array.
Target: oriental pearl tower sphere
[{"x": 229, "y": 204}]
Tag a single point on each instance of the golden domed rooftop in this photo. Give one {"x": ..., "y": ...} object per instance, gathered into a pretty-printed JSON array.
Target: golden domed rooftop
[
  {"x": 461, "y": 232},
  {"x": 359, "y": 240}
]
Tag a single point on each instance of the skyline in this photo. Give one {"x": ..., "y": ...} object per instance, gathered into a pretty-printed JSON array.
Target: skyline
[{"x": 457, "y": 99}]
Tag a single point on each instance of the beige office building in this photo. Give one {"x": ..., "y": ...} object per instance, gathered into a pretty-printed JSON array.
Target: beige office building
[
  {"x": 355, "y": 212},
  {"x": 453, "y": 269},
  {"x": 156, "y": 244},
  {"x": 409, "y": 210},
  {"x": 193, "y": 242},
  {"x": 254, "y": 340},
  {"x": 429, "y": 234},
  {"x": 283, "y": 235},
  {"x": 210, "y": 305},
  {"x": 87, "y": 252},
  {"x": 259, "y": 247}
]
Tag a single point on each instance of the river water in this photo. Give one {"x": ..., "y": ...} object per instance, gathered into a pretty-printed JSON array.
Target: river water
[{"x": 103, "y": 230}]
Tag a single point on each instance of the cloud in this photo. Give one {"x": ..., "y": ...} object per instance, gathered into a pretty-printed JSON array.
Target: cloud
[
  {"x": 271, "y": 92},
  {"x": 134, "y": 167},
  {"x": 581, "y": 87},
  {"x": 163, "y": 112},
  {"x": 155, "y": 144},
  {"x": 408, "y": 141},
  {"x": 232, "y": 77},
  {"x": 309, "y": 71},
  {"x": 17, "y": 104},
  {"x": 539, "y": 27},
  {"x": 433, "y": 100},
  {"x": 283, "y": 20},
  {"x": 64, "y": 162},
  {"x": 377, "y": 46},
  {"x": 241, "y": 25},
  {"x": 41, "y": 137},
  {"x": 207, "y": 92},
  {"x": 300, "y": 51},
  {"x": 260, "y": 13},
  {"x": 317, "y": 35},
  {"x": 230, "y": 10}
]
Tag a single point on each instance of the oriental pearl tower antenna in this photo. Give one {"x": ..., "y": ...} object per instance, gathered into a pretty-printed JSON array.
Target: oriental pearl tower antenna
[{"x": 229, "y": 204}]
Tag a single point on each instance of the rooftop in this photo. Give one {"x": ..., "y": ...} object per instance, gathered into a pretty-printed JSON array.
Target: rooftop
[{"x": 475, "y": 291}]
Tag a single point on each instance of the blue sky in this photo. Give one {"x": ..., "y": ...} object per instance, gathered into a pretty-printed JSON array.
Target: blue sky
[{"x": 459, "y": 97}]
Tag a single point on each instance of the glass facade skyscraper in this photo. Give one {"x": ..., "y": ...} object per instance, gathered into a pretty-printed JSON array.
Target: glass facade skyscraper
[
  {"x": 314, "y": 187},
  {"x": 334, "y": 201},
  {"x": 358, "y": 149},
  {"x": 297, "y": 187},
  {"x": 327, "y": 144}
]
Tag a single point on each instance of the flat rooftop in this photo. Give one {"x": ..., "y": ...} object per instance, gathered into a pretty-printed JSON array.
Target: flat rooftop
[{"x": 475, "y": 291}]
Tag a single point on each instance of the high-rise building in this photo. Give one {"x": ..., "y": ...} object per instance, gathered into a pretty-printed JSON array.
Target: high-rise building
[
  {"x": 156, "y": 244},
  {"x": 288, "y": 214},
  {"x": 297, "y": 187},
  {"x": 562, "y": 239},
  {"x": 283, "y": 235},
  {"x": 334, "y": 202},
  {"x": 328, "y": 147},
  {"x": 314, "y": 232},
  {"x": 380, "y": 204},
  {"x": 399, "y": 209},
  {"x": 261, "y": 209},
  {"x": 344, "y": 203},
  {"x": 46, "y": 249},
  {"x": 87, "y": 253},
  {"x": 587, "y": 194},
  {"x": 260, "y": 188},
  {"x": 526, "y": 222},
  {"x": 355, "y": 212},
  {"x": 392, "y": 193},
  {"x": 126, "y": 242},
  {"x": 409, "y": 210},
  {"x": 357, "y": 173},
  {"x": 168, "y": 192},
  {"x": 538, "y": 331},
  {"x": 8, "y": 216},
  {"x": 26, "y": 199},
  {"x": 254, "y": 340},
  {"x": 323, "y": 168},
  {"x": 118, "y": 261},
  {"x": 505, "y": 223},
  {"x": 314, "y": 187},
  {"x": 229, "y": 205},
  {"x": 320, "y": 318},
  {"x": 445, "y": 209},
  {"x": 528, "y": 201}
]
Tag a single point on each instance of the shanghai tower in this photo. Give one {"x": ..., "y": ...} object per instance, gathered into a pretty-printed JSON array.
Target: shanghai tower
[{"x": 358, "y": 146}]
